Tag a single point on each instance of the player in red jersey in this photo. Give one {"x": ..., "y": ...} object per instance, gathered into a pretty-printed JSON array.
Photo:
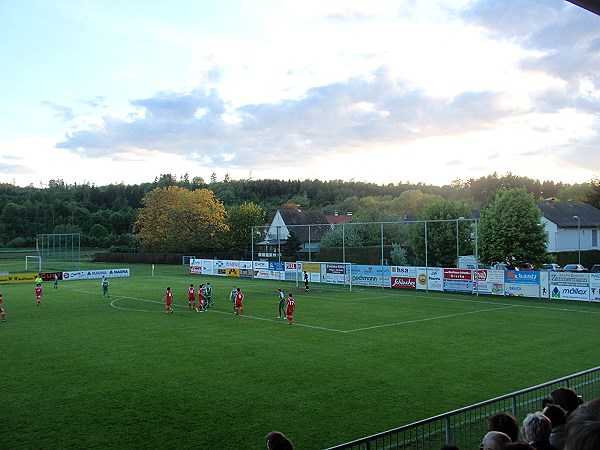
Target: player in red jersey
[
  {"x": 38, "y": 293},
  {"x": 239, "y": 298},
  {"x": 291, "y": 305},
  {"x": 201, "y": 298},
  {"x": 168, "y": 299},
  {"x": 2, "y": 310},
  {"x": 191, "y": 297}
]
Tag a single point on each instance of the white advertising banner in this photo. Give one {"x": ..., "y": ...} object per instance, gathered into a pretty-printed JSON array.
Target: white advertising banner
[
  {"x": 570, "y": 286},
  {"x": 208, "y": 266},
  {"x": 489, "y": 282},
  {"x": 430, "y": 278},
  {"x": 595, "y": 287},
  {"x": 94, "y": 274}
]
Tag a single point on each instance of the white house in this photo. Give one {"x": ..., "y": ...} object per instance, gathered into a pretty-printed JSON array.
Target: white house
[
  {"x": 570, "y": 227},
  {"x": 307, "y": 226}
]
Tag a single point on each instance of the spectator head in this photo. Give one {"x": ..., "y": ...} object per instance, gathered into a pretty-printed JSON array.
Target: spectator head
[
  {"x": 566, "y": 398},
  {"x": 556, "y": 414},
  {"x": 505, "y": 422},
  {"x": 277, "y": 441},
  {"x": 494, "y": 440},
  {"x": 583, "y": 427},
  {"x": 536, "y": 428}
]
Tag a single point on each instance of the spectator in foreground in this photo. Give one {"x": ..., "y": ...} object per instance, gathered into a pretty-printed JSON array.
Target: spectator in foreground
[
  {"x": 583, "y": 427},
  {"x": 277, "y": 441},
  {"x": 558, "y": 419},
  {"x": 536, "y": 431},
  {"x": 505, "y": 422},
  {"x": 566, "y": 398},
  {"x": 495, "y": 440}
]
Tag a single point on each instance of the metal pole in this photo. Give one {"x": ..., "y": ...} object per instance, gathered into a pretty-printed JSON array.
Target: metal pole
[
  {"x": 309, "y": 252},
  {"x": 382, "y": 282},
  {"x": 476, "y": 254},
  {"x": 578, "y": 239},
  {"x": 252, "y": 251},
  {"x": 343, "y": 242},
  {"x": 426, "y": 264}
]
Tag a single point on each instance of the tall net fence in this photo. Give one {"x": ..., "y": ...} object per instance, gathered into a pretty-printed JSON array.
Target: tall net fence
[
  {"x": 439, "y": 243},
  {"x": 59, "y": 251}
]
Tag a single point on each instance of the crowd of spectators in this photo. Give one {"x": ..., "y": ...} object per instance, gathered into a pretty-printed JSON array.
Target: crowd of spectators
[{"x": 565, "y": 423}]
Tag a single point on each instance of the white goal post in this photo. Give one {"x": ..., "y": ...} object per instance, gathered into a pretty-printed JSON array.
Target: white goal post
[
  {"x": 31, "y": 260},
  {"x": 324, "y": 272}
]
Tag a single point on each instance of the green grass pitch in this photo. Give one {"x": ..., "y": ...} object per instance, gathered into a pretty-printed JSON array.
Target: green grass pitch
[{"x": 83, "y": 371}]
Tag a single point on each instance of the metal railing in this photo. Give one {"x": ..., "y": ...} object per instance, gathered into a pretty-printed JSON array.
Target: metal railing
[{"x": 465, "y": 427}]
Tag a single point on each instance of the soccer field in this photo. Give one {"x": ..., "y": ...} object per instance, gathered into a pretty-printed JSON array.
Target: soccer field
[{"x": 83, "y": 371}]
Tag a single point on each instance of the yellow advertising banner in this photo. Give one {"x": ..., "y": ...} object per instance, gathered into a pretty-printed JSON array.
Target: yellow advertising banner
[
  {"x": 233, "y": 272},
  {"x": 311, "y": 267},
  {"x": 17, "y": 278}
]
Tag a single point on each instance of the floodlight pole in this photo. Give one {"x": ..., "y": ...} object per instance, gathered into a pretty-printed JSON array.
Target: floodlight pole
[
  {"x": 457, "y": 245},
  {"x": 578, "y": 239}
]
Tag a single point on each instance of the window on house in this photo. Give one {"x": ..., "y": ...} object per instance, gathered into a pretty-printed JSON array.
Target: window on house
[{"x": 594, "y": 238}]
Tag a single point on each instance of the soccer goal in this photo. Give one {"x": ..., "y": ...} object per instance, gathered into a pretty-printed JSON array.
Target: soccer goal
[
  {"x": 324, "y": 272},
  {"x": 33, "y": 263}
]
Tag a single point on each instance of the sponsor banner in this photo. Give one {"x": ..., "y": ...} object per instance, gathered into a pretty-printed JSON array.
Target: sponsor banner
[
  {"x": 291, "y": 275},
  {"x": 430, "y": 278},
  {"x": 247, "y": 265},
  {"x": 196, "y": 270},
  {"x": 525, "y": 283},
  {"x": 371, "y": 275},
  {"x": 454, "y": 285},
  {"x": 458, "y": 280},
  {"x": 246, "y": 273},
  {"x": 404, "y": 283},
  {"x": 489, "y": 282},
  {"x": 261, "y": 274},
  {"x": 404, "y": 271},
  {"x": 93, "y": 274},
  {"x": 569, "y": 279},
  {"x": 290, "y": 266},
  {"x": 544, "y": 286},
  {"x": 310, "y": 267},
  {"x": 17, "y": 278},
  {"x": 277, "y": 266},
  {"x": 258, "y": 265},
  {"x": 570, "y": 293},
  {"x": 219, "y": 264},
  {"x": 221, "y": 272},
  {"x": 521, "y": 290},
  {"x": 232, "y": 264},
  {"x": 595, "y": 287},
  {"x": 276, "y": 275},
  {"x": 570, "y": 286},
  {"x": 233, "y": 272},
  {"x": 336, "y": 278},
  {"x": 208, "y": 266},
  {"x": 339, "y": 269},
  {"x": 49, "y": 276}
]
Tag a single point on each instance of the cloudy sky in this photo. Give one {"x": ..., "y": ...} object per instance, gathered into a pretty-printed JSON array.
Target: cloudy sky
[{"x": 383, "y": 91}]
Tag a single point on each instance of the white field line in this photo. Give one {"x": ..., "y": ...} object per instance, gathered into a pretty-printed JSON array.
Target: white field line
[{"x": 498, "y": 306}]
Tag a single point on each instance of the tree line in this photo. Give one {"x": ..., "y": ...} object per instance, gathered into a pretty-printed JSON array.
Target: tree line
[{"x": 112, "y": 216}]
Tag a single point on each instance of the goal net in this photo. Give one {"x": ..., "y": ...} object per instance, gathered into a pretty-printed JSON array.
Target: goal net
[
  {"x": 186, "y": 260},
  {"x": 332, "y": 273}
]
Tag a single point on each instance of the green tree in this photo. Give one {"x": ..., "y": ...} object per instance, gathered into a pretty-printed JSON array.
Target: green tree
[
  {"x": 240, "y": 220},
  {"x": 291, "y": 246},
  {"x": 511, "y": 231},
  {"x": 174, "y": 219},
  {"x": 443, "y": 224}
]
